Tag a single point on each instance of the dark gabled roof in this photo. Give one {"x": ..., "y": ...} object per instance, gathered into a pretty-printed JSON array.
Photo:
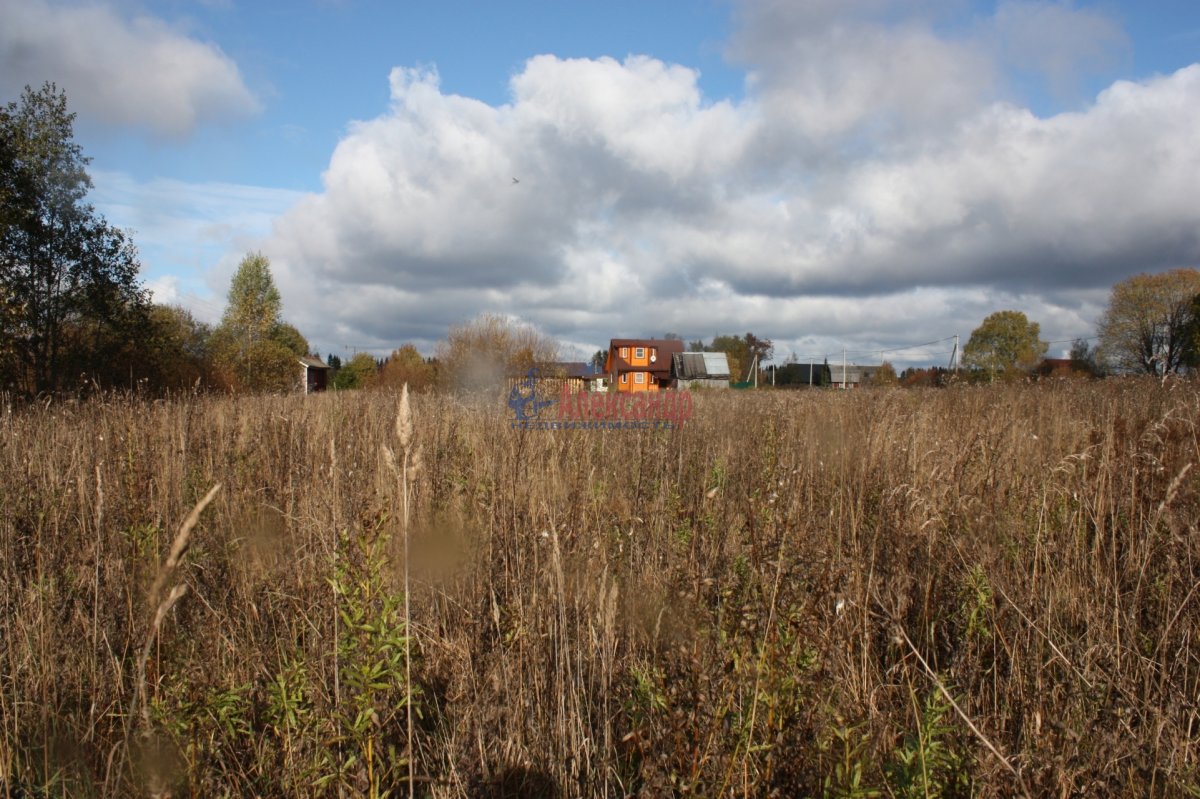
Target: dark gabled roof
[
  {"x": 802, "y": 372},
  {"x": 572, "y": 370},
  {"x": 661, "y": 368},
  {"x": 579, "y": 370},
  {"x": 663, "y": 344}
]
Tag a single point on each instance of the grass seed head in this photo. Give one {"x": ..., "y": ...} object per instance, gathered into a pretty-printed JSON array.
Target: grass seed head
[{"x": 404, "y": 423}]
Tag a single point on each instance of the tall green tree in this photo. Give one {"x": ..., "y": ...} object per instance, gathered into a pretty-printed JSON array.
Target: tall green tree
[
  {"x": 70, "y": 300},
  {"x": 254, "y": 304},
  {"x": 291, "y": 338},
  {"x": 174, "y": 350},
  {"x": 253, "y": 347},
  {"x": 1145, "y": 326},
  {"x": 760, "y": 348},
  {"x": 1004, "y": 345},
  {"x": 361, "y": 371},
  {"x": 740, "y": 351}
]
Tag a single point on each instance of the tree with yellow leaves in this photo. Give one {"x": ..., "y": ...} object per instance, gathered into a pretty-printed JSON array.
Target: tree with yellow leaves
[
  {"x": 1148, "y": 320},
  {"x": 254, "y": 349},
  {"x": 1005, "y": 345}
]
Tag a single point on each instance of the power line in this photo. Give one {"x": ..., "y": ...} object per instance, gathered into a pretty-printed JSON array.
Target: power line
[
  {"x": 915, "y": 346},
  {"x": 884, "y": 350},
  {"x": 1073, "y": 340}
]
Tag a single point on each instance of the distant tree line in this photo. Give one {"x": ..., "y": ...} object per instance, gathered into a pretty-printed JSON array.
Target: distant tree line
[
  {"x": 74, "y": 316},
  {"x": 742, "y": 352},
  {"x": 1151, "y": 325},
  {"x": 404, "y": 365}
]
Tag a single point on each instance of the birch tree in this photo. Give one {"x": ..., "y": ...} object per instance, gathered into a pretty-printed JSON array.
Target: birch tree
[{"x": 253, "y": 347}]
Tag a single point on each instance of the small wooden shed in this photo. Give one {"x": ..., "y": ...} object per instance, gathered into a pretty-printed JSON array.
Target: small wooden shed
[
  {"x": 701, "y": 369},
  {"x": 314, "y": 374}
]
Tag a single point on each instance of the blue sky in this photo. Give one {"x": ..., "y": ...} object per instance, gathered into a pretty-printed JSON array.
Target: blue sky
[
  {"x": 318, "y": 66},
  {"x": 836, "y": 173}
]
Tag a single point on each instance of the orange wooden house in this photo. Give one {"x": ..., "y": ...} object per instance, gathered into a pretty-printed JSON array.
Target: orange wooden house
[{"x": 641, "y": 364}]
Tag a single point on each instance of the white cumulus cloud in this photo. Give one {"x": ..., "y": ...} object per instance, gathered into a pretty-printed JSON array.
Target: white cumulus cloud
[
  {"x": 136, "y": 72},
  {"x": 874, "y": 187}
]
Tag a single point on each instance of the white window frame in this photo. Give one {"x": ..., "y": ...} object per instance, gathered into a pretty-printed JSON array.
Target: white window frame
[
  {"x": 639, "y": 378},
  {"x": 624, "y": 352},
  {"x": 639, "y": 353},
  {"x": 625, "y": 378}
]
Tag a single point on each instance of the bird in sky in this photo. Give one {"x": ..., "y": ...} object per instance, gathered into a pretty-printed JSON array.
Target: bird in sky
[{"x": 515, "y": 181}]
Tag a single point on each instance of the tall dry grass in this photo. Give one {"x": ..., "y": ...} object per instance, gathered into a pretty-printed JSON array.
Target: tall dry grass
[{"x": 965, "y": 592}]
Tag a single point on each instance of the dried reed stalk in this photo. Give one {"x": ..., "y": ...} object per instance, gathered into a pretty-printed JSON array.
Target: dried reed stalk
[
  {"x": 180, "y": 544},
  {"x": 991, "y": 747},
  {"x": 178, "y": 547},
  {"x": 404, "y": 435},
  {"x": 139, "y": 697}
]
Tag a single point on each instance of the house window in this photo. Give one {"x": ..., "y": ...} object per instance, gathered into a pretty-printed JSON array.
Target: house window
[
  {"x": 625, "y": 378},
  {"x": 639, "y": 377},
  {"x": 624, "y": 352},
  {"x": 639, "y": 352}
]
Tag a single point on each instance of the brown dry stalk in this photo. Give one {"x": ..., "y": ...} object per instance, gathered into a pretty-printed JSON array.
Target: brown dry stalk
[
  {"x": 404, "y": 434},
  {"x": 717, "y": 633},
  {"x": 178, "y": 548},
  {"x": 991, "y": 747},
  {"x": 139, "y": 696},
  {"x": 180, "y": 544}
]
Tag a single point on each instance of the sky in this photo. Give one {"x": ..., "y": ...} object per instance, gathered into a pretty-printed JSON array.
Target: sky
[{"x": 871, "y": 177}]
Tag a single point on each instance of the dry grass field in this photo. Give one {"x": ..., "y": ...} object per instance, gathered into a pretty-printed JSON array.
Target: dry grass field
[{"x": 961, "y": 592}]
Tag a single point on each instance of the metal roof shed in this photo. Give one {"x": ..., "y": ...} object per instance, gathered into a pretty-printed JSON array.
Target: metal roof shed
[{"x": 701, "y": 369}]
